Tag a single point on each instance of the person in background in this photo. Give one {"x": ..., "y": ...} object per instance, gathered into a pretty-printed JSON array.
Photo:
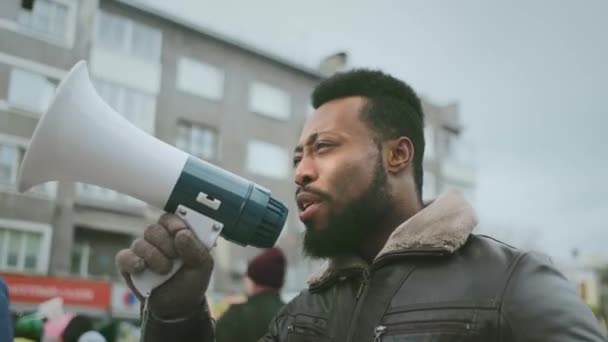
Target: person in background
[
  {"x": 249, "y": 321},
  {"x": 6, "y": 324},
  {"x": 80, "y": 329}
]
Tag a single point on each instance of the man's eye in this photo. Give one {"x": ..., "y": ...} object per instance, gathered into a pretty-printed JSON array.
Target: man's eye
[
  {"x": 296, "y": 161},
  {"x": 322, "y": 144}
]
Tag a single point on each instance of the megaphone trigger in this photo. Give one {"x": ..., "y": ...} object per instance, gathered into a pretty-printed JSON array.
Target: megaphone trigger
[{"x": 205, "y": 228}]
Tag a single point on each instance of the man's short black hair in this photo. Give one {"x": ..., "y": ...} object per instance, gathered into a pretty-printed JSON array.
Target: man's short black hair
[{"x": 393, "y": 109}]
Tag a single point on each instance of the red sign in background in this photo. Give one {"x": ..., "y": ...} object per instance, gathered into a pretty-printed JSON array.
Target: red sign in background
[{"x": 29, "y": 289}]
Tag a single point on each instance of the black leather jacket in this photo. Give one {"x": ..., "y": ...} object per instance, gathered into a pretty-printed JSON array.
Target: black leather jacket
[{"x": 485, "y": 291}]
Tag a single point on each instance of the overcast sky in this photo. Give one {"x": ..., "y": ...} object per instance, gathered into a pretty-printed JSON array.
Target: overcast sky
[{"x": 531, "y": 78}]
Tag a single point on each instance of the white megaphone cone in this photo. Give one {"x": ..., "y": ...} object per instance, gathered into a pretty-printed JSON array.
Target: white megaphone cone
[
  {"x": 63, "y": 149},
  {"x": 81, "y": 139}
]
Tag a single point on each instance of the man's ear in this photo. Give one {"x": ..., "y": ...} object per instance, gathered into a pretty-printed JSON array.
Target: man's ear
[{"x": 399, "y": 154}]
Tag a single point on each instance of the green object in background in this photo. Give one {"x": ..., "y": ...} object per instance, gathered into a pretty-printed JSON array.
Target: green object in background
[{"x": 29, "y": 326}]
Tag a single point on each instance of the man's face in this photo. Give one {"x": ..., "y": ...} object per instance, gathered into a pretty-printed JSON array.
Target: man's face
[{"x": 342, "y": 184}]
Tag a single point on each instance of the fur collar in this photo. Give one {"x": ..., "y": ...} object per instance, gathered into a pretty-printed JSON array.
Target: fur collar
[{"x": 444, "y": 224}]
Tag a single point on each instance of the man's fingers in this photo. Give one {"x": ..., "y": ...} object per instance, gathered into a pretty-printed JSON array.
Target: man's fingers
[
  {"x": 128, "y": 262},
  {"x": 172, "y": 223},
  {"x": 153, "y": 257},
  {"x": 191, "y": 249},
  {"x": 160, "y": 238}
]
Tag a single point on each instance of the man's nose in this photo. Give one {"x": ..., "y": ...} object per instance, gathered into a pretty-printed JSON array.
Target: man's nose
[{"x": 305, "y": 173}]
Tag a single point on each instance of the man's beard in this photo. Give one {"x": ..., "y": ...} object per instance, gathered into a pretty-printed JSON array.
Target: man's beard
[{"x": 346, "y": 230}]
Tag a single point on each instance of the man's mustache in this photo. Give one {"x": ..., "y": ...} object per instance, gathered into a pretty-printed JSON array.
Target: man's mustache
[{"x": 322, "y": 195}]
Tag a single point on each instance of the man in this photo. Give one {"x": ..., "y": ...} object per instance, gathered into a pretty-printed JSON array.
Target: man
[
  {"x": 397, "y": 270},
  {"x": 249, "y": 321},
  {"x": 6, "y": 323}
]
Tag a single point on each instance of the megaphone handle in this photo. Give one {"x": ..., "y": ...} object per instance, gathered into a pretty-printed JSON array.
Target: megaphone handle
[{"x": 205, "y": 228}]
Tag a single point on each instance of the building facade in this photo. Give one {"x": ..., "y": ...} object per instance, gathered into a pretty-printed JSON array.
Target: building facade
[{"x": 220, "y": 100}]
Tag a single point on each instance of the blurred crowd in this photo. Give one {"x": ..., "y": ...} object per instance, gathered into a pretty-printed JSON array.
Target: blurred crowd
[
  {"x": 68, "y": 327},
  {"x": 239, "y": 317}
]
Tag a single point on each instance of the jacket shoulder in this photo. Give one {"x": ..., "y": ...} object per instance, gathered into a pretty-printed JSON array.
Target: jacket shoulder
[
  {"x": 541, "y": 303},
  {"x": 502, "y": 255},
  {"x": 490, "y": 264},
  {"x": 492, "y": 250}
]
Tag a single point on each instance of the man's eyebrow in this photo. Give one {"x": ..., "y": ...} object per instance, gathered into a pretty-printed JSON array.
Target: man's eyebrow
[{"x": 311, "y": 139}]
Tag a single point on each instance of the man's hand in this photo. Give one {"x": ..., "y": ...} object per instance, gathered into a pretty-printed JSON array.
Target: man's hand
[{"x": 163, "y": 242}]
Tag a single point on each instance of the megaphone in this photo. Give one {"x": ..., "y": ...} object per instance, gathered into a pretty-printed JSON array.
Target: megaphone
[{"x": 81, "y": 139}]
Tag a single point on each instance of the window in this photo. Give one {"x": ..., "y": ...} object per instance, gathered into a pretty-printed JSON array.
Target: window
[
  {"x": 20, "y": 250},
  {"x": 32, "y": 246},
  {"x": 47, "y": 17},
  {"x": 267, "y": 159},
  {"x": 30, "y": 91},
  {"x": 122, "y": 35},
  {"x": 9, "y": 161},
  {"x": 145, "y": 42},
  {"x": 197, "y": 140},
  {"x": 200, "y": 79},
  {"x": 13, "y": 239},
  {"x": 270, "y": 101},
  {"x": 80, "y": 258},
  {"x": 93, "y": 252},
  {"x": 136, "y": 106},
  {"x": 110, "y": 31}
]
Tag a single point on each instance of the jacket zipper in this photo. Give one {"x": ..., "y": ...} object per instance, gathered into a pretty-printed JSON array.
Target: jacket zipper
[
  {"x": 420, "y": 327},
  {"x": 304, "y": 329},
  {"x": 362, "y": 289},
  {"x": 367, "y": 275},
  {"x": 363, "y": 285}
]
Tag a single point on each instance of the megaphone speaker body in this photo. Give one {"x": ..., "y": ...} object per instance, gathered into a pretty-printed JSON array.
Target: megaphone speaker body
[{"x": 82, "y": 139}]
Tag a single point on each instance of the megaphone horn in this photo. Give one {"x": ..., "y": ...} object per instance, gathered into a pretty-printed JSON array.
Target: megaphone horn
[{"x": 81, "y": 139}]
